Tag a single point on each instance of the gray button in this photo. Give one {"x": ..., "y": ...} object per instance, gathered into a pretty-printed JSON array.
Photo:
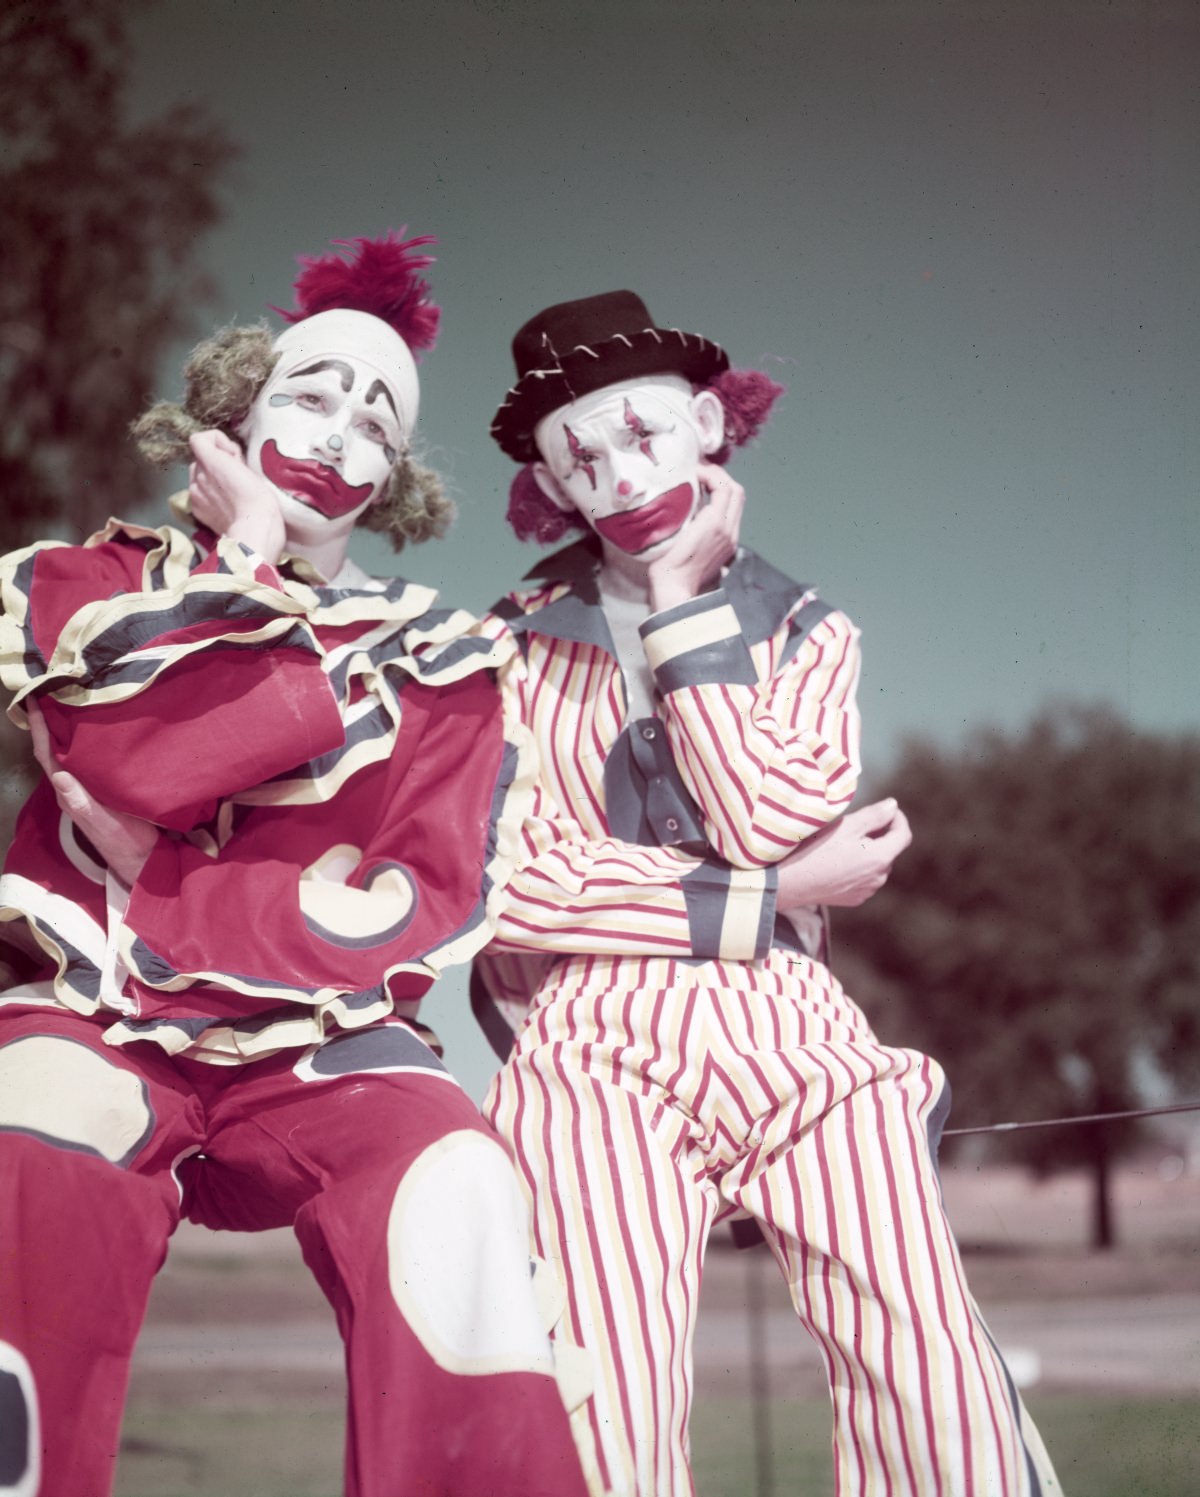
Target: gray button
[
  {"x": 672, "y": 824},
  {"x": 648, "y": 732}
]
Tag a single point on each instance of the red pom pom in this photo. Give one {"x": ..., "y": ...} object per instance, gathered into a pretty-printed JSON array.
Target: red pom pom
[
  {"x": 747, "y": 396},
  {"x": 380, "y": 276},
  {"x": 533, "y": 515}
]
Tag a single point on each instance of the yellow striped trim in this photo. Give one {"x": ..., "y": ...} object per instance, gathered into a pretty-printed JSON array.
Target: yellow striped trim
[
  {"x": 692, "y": 633},
  {"x": 743, "y": 914}
]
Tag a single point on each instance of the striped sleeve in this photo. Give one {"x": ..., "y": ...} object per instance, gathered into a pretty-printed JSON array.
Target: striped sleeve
[
  {"x": 134, "y": 640},
  {"x": 578, "y": 895},
  {"x": 100, "y": 621},
  {"x": 768, "y": 761}
]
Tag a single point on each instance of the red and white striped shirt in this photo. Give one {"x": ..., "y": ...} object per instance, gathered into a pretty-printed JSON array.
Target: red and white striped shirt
[{"x": 677, "y": 818}]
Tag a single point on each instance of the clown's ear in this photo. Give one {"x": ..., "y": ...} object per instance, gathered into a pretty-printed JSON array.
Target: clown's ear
[
  {"x": 709, "y": 415},
  {"x": 551, "y": 487}
]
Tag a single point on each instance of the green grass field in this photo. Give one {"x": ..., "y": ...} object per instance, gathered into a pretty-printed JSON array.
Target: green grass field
[
  {"x": 1118, "y": 1447},
  {"x": 258, "y": 1421},
  {"x": 1103, "y": 1447}
]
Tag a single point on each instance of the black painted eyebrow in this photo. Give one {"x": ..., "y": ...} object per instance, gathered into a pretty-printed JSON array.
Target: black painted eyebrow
[
  {"x": 342, "y": 369},
  {"x": 379, "y": 388}
]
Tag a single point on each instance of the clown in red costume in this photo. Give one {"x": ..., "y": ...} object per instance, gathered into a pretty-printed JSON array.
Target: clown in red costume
[
  {"x": 280, "y": 799},
  {"x": 686, "y": 696}
]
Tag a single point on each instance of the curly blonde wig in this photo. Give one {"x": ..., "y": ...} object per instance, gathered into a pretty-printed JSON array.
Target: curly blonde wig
[
  {"x": 413, "y": 507},
  {"x": 221, "y": 381}
]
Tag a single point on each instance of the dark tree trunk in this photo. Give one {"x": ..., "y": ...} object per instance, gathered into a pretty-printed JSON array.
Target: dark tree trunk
[{"x": 1103, "y": 1226}]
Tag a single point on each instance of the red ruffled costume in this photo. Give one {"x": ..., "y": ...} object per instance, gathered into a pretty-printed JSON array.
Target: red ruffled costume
[{"x": 233, "y": 1041}]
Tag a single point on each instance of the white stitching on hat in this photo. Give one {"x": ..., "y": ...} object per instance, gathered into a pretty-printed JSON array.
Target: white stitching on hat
[
  {"x": 583, "y": 348},
  {"x": 653, "y": 331},
  {"x": 622, "y": 338},
  {"x": 681, "y": 336}
]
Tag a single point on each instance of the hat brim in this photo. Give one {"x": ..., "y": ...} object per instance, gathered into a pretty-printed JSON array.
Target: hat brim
[{"x": 588, "y": 368}]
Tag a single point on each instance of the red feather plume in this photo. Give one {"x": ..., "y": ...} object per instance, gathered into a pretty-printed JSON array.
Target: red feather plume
[{"x": 381, "y": 276}]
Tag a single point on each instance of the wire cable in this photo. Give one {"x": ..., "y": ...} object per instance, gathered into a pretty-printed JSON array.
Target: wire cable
[{"x": 1091, "y": 1117}]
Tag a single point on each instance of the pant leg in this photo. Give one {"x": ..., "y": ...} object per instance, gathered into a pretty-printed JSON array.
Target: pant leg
[
  {"x": 843, "y": 1180},
  {"x": 409, "y": 1215},
  {"x": 88, "y": 1136},
  {"x": 621, "y": 1207}
]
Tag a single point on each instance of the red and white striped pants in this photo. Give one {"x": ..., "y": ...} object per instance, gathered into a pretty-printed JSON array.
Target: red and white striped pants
[{"x": 644, "y": 1100}]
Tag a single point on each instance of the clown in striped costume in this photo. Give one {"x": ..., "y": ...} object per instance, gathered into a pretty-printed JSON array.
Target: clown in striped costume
[
  {"x": 281, "y": 797},
  {"x": 684, "y": 694}
]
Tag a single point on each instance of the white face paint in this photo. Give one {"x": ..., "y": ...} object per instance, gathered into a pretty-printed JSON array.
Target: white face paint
[
  {"x": 326, "y": 432},
  {"x": 627, "y": 457}
]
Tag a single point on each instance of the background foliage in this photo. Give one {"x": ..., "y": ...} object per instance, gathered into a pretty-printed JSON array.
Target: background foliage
[
  {"x": 103, "y": 220},
  {"x": 1042, "y": 935}
]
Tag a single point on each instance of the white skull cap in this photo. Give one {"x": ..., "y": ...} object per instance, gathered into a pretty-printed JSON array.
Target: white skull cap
[{"x": 341, "y": 331}]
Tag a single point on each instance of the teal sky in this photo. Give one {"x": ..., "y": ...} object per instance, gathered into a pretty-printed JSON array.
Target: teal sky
[{"x": 965, "y": 236}]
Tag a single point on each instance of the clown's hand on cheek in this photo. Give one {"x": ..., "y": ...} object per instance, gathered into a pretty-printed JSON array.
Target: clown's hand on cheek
[
  {"x": 231, "y": 498},
  {"x": 703, "y": 546}
]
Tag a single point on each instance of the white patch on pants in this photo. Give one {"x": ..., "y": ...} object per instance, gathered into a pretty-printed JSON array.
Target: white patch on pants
[
  {"x": 63, "y": 1091},
  {"x": 458, "y": 1257}
]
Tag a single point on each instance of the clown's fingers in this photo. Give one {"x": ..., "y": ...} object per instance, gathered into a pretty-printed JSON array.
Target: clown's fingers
[
  {"x": 727, "y": 498},
  {"x": 70, "y": 794},
  {"x": 874, "y": 819},
  {"x": 896, "y": 838},
  {"x": 43, "y": 749},
  {"x": 123, "y": 841},
  {"x": 223, "y": 443},
  {"x": 231, "y": 498},
  {"x": 884, "y": 824}
]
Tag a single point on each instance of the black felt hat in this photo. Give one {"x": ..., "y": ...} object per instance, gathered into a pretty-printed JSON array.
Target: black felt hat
[{"x": 576, "y": 347}]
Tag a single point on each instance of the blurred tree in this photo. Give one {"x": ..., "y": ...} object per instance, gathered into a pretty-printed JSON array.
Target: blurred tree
[
  {"x": 101, "y": 223},
  {"x": 1042, "y": 935},
  {"x": 102, "y": 219}
]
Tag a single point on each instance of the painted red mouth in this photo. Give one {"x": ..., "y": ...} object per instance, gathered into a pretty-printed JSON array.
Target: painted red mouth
[
  {"x": 634, "y": 530},
  {"x": 316, "y": 484}
]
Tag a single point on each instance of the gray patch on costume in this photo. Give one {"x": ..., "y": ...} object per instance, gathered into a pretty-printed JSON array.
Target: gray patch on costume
[
  {"x": 193, "y": 1028},
  {"x": 705, "y": 895},
  {"x": 762, "y": 595},
  {"x": 645, "y": 798},
  {"x": 20, "y": 1443},
  {"x": 81, "y": 973},
  {"x": 157, "y": 971},
  {"x": 391, "y": 1047}
]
